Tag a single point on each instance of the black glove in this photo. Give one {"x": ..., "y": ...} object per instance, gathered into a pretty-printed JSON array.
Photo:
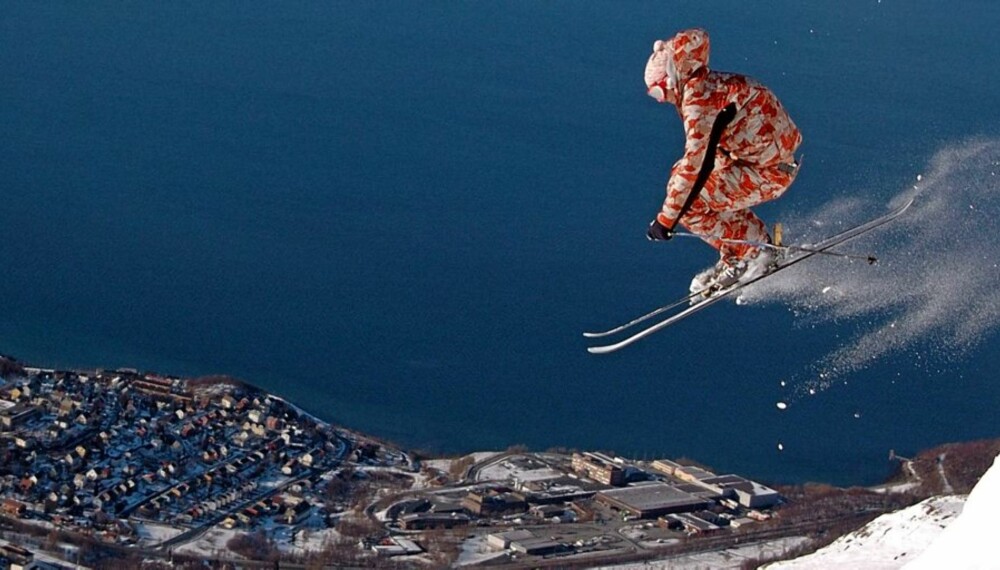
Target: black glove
[{"x": 658, "y": 232}]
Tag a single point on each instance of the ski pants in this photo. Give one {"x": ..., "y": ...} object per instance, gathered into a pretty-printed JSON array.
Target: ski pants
[{"x": 722, "y": 210}]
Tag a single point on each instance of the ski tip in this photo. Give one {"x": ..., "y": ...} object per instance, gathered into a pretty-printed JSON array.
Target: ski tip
[
  {"x": 601, "y": 349},
  {"x": 592, "y": 335}
]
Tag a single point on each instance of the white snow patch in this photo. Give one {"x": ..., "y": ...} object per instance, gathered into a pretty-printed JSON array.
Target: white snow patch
[
  {"x": 484, "y": 455},
  {"x": 152, "y": 534},
  {"x": 210, "y": 544},
  {"x": 505, "y": 471}
]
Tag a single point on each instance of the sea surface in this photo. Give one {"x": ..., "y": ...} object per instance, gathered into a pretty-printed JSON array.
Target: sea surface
[{"x": 402, "y": 215}]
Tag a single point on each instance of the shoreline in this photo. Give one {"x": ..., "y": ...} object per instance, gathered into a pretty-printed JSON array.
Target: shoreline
[{"x": 11, "y": 363}]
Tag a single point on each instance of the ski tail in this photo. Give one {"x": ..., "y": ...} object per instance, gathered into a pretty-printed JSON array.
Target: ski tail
[{"x": 657, "y": 311}]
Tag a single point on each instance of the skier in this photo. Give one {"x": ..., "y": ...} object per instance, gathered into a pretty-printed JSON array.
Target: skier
[{"x": 739, "y": 152}]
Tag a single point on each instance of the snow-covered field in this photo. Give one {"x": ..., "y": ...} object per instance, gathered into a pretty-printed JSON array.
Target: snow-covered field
[
  {"x": 211, "y": 543},
  {"x": 152, "y": 534}
]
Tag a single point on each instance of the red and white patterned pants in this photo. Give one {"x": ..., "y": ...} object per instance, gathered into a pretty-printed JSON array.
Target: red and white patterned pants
[{"x": 722, "y": 210}]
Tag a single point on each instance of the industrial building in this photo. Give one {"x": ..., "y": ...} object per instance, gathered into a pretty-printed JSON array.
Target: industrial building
[
  {"x": 652, "y": 500},
  {"x": 423, "y": 521},
  {"x": 494, "y": 503},
  {"x": 747, "y": 493},
  {"x": 599, "y": 467},
  {"x": 503, "y": 540}
]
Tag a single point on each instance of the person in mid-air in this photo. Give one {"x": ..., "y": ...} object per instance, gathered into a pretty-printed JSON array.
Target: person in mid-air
[{"x": 739, "y": 152}]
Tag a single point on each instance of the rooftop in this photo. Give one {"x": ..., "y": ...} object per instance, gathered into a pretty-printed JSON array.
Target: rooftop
[{"x": 652, "y": 496}]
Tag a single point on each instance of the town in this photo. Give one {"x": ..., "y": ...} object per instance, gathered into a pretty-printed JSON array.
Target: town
[{"x": 99, "y": 466}]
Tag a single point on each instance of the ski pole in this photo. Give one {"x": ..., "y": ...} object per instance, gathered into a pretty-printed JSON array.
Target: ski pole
[{"x": 871, "y": 259}]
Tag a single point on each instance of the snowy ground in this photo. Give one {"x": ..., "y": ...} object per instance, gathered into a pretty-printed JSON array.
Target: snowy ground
[
  {"x": 731, "y": 558},
  {"x": 475, "y": 551},
  {"x": 304, "y": 541},
  {"x": 310, "y": 536},
  {"x": 210, "y": 544},
  {"x": 941, "y": 532},
  {"x": 152, "y": 534},
  {"x": 887, "y": 542},
  {"x": 506, "y": 470},
  {"x": 420, "y": 481}
]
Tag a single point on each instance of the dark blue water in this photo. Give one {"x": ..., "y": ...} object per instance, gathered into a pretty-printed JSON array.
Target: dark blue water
[{"x": 401, "y": 215}]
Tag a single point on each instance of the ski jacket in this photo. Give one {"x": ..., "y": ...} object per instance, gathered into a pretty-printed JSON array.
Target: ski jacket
[{"x": 760, "y": 135}]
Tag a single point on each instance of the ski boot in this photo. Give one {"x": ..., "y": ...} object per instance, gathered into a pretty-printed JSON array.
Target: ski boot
[
  {"x": 727, "y": 273},
  {"x": 764, "y": 262},
  {"x": 703, "y": 282}
]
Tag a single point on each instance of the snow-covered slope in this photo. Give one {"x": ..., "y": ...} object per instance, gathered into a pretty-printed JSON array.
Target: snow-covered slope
[
  {"x": 887, "y": 542},
  {"x": 971, "y": 540},
  {"x": 941, "y": 532}
]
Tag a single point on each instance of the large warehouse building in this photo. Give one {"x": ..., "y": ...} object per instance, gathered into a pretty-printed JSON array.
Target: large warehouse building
[{"x": 655, "y": 499}]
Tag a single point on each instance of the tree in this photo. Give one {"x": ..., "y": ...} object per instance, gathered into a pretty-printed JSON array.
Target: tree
[{"x": 254, "y": 546}]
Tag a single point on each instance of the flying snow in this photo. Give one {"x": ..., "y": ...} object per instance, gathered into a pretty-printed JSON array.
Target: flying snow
[{"x": 934, "y": 288}]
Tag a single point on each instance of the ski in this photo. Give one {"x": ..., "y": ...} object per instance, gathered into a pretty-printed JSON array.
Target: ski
[
  {"x": 657, "y": 311},
  {"x": 802, "y": 255}
]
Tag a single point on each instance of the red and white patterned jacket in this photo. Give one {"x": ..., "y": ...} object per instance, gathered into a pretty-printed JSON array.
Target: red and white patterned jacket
[{"x": 761, "y": 135}]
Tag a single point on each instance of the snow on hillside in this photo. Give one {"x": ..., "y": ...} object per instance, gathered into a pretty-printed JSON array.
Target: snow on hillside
[
  {"x": 941, "y": 532},
  {"x": 887, "y": 542},
  {"x": 970, "y": 541}
]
